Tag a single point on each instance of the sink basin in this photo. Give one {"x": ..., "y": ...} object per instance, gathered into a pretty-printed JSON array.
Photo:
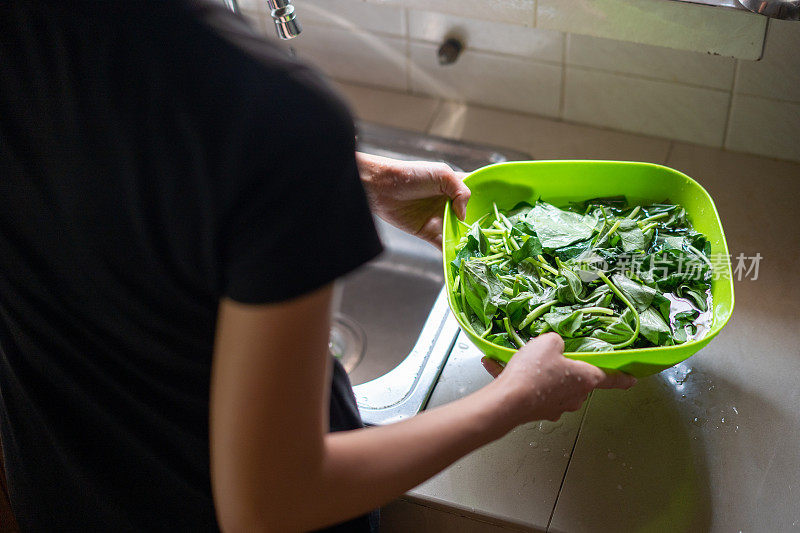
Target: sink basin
[
  {"x": 390, "y": 299},
  {"x": 392, "y": 327}
]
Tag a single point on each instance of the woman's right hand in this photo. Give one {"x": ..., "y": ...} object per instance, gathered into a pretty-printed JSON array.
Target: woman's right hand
[{"x": 542, "y": 383}]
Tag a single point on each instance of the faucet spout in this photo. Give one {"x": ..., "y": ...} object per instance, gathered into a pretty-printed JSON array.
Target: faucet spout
[{"x": 286, "y": 23}]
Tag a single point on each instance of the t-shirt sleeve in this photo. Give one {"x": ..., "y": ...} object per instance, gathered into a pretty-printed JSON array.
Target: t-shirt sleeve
[{"x": 301, "y": 219}]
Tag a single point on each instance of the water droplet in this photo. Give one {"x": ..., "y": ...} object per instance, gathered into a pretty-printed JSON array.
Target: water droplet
[
  {"x": 699, "y": 421},
  {"x": 538, "y": 370},
  {"x": 547, "y": 427},
  {"x": 566, "y": 372},
  {"x": 711, "y": 388},
  {"x": 735, "y": 410},
  {"x": 683, "y": 396},
  {"x": 463, "y": 345},
  {"x": 533, "y": 444}
]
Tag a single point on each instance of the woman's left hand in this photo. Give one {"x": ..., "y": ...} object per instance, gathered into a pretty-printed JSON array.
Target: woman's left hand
[{"x": 411, "y": 195}]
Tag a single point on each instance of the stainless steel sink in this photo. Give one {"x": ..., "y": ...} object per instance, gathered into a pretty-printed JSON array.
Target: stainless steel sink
[{"x": 392, "y": 323}]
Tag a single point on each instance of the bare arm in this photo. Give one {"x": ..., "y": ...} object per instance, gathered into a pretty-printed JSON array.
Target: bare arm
[{"x": 275, "y": 467}]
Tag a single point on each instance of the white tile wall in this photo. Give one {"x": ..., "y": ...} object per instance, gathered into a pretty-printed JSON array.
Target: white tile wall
[
  {"x": 674, "y": 94},
  {"x": 674, "y": 24},
  {"x": 645, "y": 106},
  {"x": 352, "y": 14},
  {"x": 496, "y": 81},
  {"x": 777, "y": 75},
  {"x": 546, "y": 45},
  {"x": 509, "y": 11},
  {"x": 353, "y": 55},
  {"x": 648, "y": 61},
  {"x": 766, "y": 127},
  {"x": 543, "y": 138},
  {"x": 406, "y": 111}
]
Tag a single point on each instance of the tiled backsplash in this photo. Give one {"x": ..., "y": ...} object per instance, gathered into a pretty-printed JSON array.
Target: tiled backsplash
[{"x": 742, "y": 105}]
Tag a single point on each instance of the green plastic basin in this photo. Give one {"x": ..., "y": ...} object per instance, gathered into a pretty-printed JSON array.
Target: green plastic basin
[{"x": 560, "y": 182}]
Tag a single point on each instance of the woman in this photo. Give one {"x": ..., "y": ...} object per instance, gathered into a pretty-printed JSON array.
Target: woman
[{"x": 178, "y": 198}]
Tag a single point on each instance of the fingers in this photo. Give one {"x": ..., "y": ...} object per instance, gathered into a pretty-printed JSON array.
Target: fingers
[
  {"x": 600, "y": 379},
  {"x": 492, "y": 366},
  {"x": 452, "y": 185},
  {"x": 552, "y": 341},
  {"x": 617, "y": 380}
]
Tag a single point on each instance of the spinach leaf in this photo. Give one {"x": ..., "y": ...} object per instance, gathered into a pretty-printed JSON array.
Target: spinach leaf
[
  {"x": 654, "y": 328},
  {"x": 569, "y": 287},
  {"x": 483, "y": 290},
  {"x": 531, "y": 247},
  {"x": 616, "y": 332},
  {"x": 565, "y": 323},
  {"x": 557, "y": 228},
  {"x": 501, "y": 339},
  {"x": 586, "y": 344},
  {"x": 631, "y": 236}
]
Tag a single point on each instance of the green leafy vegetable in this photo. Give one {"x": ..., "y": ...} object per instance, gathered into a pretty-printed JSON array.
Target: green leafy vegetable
[{"x": 602, "y": 274}]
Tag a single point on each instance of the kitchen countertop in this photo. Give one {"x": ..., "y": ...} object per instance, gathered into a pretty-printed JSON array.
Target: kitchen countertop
[{"x": 708, "y": 445}]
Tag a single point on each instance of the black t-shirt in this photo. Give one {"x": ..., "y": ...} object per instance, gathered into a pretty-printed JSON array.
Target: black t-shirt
[{"x": 154, "y": 157}]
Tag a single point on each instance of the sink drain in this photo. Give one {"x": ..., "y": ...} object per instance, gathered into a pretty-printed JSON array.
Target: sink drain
[{"x": 347, "y": 341}]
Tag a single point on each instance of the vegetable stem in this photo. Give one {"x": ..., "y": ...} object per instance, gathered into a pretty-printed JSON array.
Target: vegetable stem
[
  {"x": 654, "y": 217},
  {"x": 596, "y": 311},
  {"x": 701, "y": 255},
  {"x": 513, "y": 334},
  {"x": 546, "y": 266},
  {"x": 630, "y": 306},
  {"x": 536, "y": 313}
]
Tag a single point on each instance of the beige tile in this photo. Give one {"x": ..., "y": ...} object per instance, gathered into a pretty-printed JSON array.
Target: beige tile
[
  {"x": 710, "y": 445},
  {"x": 357, "y": 56},
  {"x": 389, "y": 107},
  {"x": 515, "y": 478},
  {"x": 658, "y": 62},
  {"x": 511, "y": 11},
  {"x": 545, "y": 139},
  {"x": 777, "y": 75},
  {"x": 488, "y": 36},
  {"x": 738, "y": 182},
  {"x": 497, "y": 81},
  {"x": 402, "y": 516},
  {"x": 680, "y": 25},
  {"x": 765, "y": 127},
  {"x": 352, "y": 14},
  {"x": 253, "y": 6},
  {"x": 645, "y": 106}
]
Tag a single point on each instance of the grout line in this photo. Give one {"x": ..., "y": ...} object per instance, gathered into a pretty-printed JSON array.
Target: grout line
[
  {"x": 435, "y": 115},
  {"x": 408, "y": 41},
  {"x": 670, "y": 147},
  {"x": 562, "y": 99},
  {"x": 647, "y": 78},
  {"x": 727, "y": 129},
  {"x": 407, "y": 38},
  {"x": 569, "y": 461}
]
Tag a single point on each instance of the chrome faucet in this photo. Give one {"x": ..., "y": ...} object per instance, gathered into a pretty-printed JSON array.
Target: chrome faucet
[
  {"x": 282, "y": 11},
  {"x": 286, "y": 23},
  {"x": 780, "y": 9}
]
